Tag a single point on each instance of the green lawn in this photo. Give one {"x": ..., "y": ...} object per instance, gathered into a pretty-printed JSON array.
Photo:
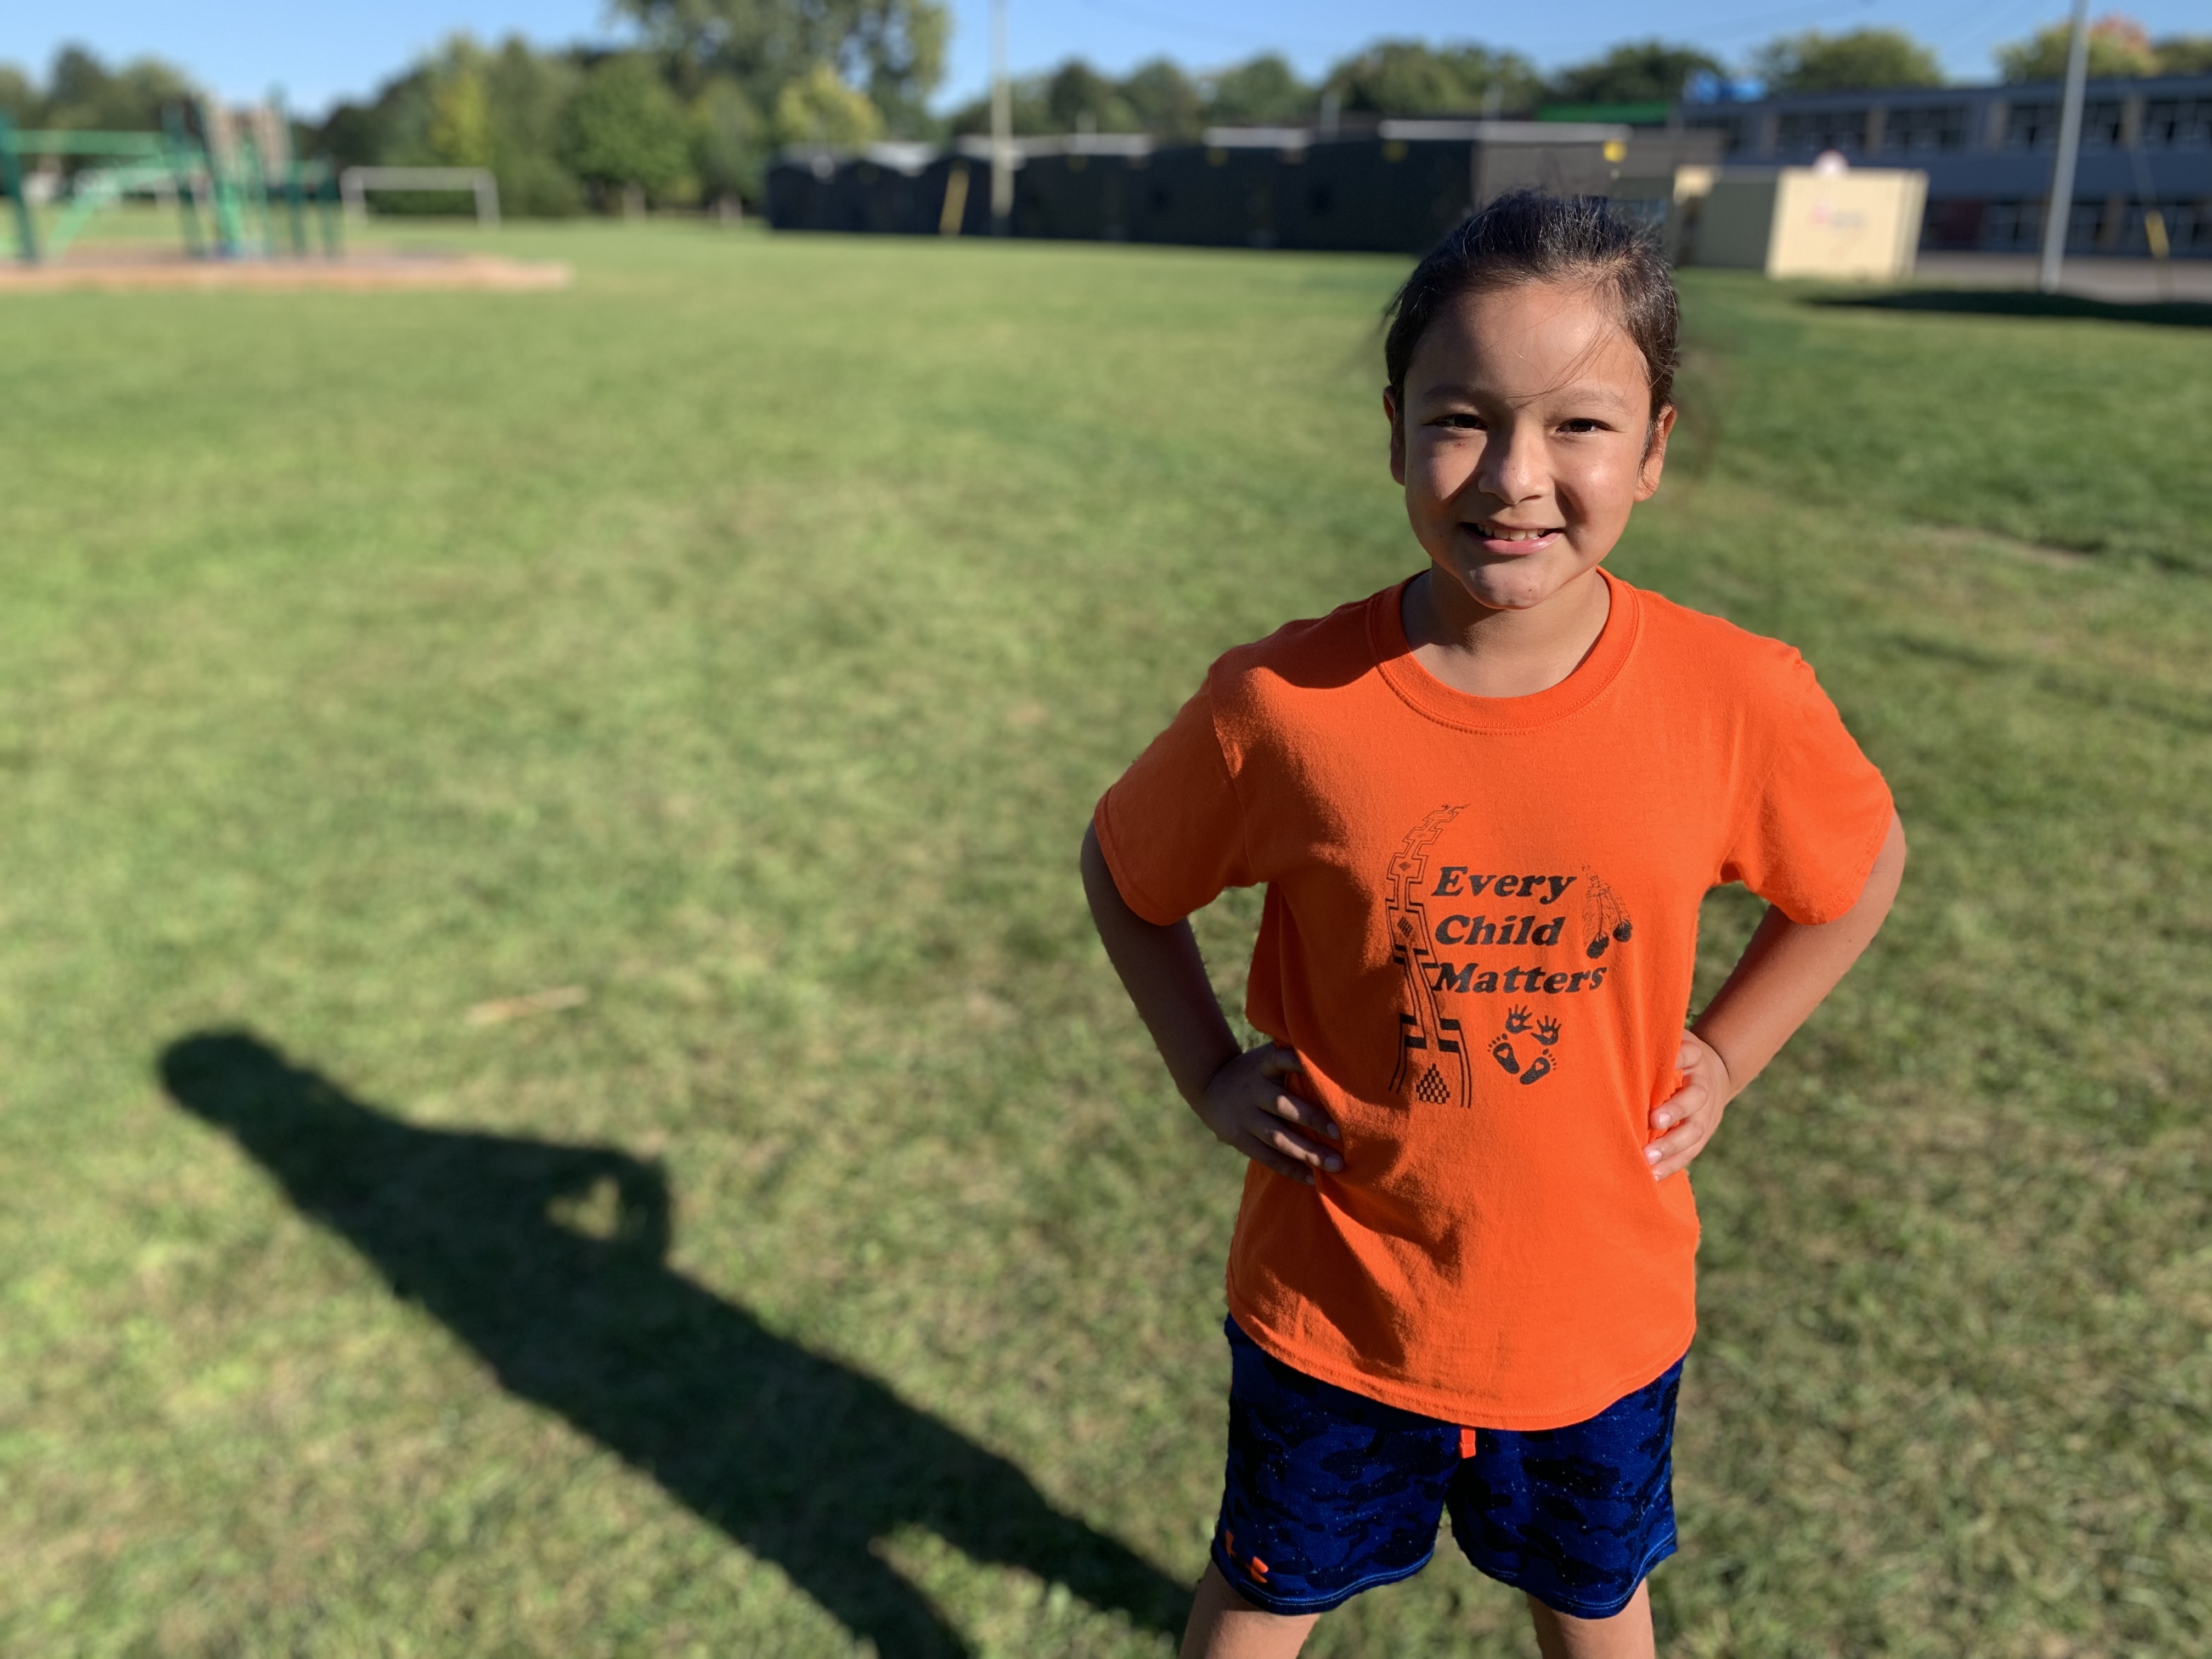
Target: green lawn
[{"x": 740, "y": 637}]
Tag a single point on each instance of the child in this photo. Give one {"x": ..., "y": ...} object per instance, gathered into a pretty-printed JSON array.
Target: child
[{"x": 1486, "y": 803}]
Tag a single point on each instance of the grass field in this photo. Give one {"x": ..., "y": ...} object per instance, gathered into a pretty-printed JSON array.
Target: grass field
[{"x": 739, "y": 639}]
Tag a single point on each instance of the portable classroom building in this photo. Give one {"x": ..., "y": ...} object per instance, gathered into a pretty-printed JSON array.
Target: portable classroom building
[{"x": 1394, "y": 189}]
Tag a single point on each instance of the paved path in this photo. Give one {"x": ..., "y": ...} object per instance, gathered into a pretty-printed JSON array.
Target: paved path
[{"x": 2121, "y": 281}]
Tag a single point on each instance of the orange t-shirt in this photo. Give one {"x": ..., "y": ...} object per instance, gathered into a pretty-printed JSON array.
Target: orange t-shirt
[{"x": 1480, "y": 923}]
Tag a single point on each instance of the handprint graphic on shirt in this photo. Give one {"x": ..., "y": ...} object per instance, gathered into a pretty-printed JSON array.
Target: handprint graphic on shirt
[{"x": 1547, "y": 1032}]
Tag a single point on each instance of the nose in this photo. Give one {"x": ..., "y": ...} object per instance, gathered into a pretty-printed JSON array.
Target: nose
[{"x": 1511, "y": 468}]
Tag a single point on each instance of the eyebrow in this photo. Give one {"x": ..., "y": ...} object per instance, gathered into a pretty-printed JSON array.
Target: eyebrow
[{"x": 1455, "y": 389}]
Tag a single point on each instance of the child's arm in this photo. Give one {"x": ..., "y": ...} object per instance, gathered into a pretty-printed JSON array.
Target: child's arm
[
  {"x": 1782, "y": 977},
  {"x": 1234, "y": 1094}
]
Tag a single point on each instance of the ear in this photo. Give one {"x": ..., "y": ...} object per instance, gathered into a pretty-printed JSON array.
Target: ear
[
  {"x": 1397, "y": 434},
  {"x": 1655, "y": 455}
]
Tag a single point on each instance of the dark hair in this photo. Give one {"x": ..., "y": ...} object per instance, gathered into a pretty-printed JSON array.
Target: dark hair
[{"x": 1528, "y": 236}]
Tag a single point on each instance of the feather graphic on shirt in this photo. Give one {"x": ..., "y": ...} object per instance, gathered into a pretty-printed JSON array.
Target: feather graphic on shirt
[
  {"x": 1429, "y": 1040},
  {"x": 1605, "y": 918}
]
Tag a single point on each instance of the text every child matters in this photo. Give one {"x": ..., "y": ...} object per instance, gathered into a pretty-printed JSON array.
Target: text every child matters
[{"x": 1456, "y": 880}]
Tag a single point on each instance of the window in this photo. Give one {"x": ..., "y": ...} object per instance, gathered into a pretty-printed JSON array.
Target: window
[
  {"x": 2188, "y": 228},
  {"x": 2100, "y": 126},
  {"x": 1954, "y": 222},
  {"x": 2178, "y": 124},
  {"x": 1731, "y": 128},
  {"x": 2031, "y": 126},
  {"x": 1912, "y": 130},
  {"x": 2035, "y": 126},
  {"x": 1826, "y": 128},
  {"x": 2012, "y": 225}
]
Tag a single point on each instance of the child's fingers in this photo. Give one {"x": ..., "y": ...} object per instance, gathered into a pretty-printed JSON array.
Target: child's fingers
[
  {"x": 1280, "y": 1163},
  {"x": 1279, "y": 1061},
  {"x": 1305, "y": 1114},
  {"x": 1673, "y": 1152},
  {"x": 1277, "y": 1136},
  {"x": 1680, "y": 1107}
]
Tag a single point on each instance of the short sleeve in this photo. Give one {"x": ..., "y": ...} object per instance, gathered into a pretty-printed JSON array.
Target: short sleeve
[
  {"x": 1807, "y": 835},
  {"x": 1170, "y": 828}
]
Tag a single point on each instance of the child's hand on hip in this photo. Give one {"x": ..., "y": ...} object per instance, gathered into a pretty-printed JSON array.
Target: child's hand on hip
[
  {"x": 1686, "y": 1119},
  {"x": 1244, "y": 1106}
]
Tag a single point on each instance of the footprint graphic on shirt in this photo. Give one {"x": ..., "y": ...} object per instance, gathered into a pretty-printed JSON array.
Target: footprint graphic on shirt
[
  {"x": 1537, "y": 1071},
  {"x": 1502, "y": 1051}
]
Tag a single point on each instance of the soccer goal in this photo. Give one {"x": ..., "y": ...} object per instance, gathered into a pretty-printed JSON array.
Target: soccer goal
[{"x": 355, "y": 183}]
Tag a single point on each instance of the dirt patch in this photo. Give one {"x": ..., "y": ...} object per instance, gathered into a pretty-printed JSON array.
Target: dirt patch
[{"x": 118, "y": 271}]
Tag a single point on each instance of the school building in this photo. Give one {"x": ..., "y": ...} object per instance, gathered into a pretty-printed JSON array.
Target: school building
[{"x": 1987, "y": 152}]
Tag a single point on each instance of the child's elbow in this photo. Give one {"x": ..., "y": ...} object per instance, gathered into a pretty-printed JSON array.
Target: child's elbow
[{"x": 1097, "y": 877}]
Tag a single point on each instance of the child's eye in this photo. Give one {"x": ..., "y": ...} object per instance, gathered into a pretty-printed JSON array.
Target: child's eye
[
  {"x": 1582, "y": 423},
  {"x": 1460, "y": 423}
]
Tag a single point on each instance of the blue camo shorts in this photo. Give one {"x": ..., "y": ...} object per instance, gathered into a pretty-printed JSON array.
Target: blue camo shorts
[{"x": 1329, "y": 1493}]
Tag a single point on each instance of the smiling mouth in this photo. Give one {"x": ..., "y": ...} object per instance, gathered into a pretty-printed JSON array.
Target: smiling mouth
[{"x": 1509, "y": 533}]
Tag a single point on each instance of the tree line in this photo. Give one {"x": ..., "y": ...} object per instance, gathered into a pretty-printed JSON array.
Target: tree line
[{"x": 692, "y": 113}]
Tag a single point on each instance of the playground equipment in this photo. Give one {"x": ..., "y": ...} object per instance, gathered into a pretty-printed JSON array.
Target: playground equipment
[{"x": 228, "y": 178}]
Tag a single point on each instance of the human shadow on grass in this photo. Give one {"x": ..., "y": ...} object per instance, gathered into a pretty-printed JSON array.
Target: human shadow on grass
[
  {"x": 548, "y": 1261},
  {"x": 2024, "y": 303}
]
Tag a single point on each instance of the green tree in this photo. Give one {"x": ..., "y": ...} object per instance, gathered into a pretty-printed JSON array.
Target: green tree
[
  {"x": 504, "y": 108},
  {"x": 1408, "y": 77},
  {"x": 459, "y": 131},
  {"x": 2183, "y": 54},
  {"x": 1157, "y": 98},
  {"x": 527, "y": 92},
  {"x": 1165, "y": 101},
  {"x": 1258, "y": 91},
  {"x": 18, "y": 96},
  {"x": 819, "y": 108},
  {"x": 1857, "y": 59},
  {"x": 393, "y": 128},
  {"x": 82, "y": 93},
  {"x": 729, "y": 141},
  {"x": 2118, "y": 46},
  {"x": 624, "y": 133},
  {"x": 1030, "y": 110},
  {"x": 893, "y": 51},
  {"x": 1636, "y": 72},
  {"x": 1080, "y": 98}
]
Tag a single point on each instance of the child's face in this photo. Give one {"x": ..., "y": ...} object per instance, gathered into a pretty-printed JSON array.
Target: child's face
[{"x": 1525, "y": 436}]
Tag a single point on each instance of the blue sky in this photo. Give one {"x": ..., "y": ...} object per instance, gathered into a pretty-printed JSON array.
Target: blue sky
[{"x": 320, "y": 53}]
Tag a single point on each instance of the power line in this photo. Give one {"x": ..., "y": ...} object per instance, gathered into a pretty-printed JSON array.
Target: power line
[
  {"x": 1245, "y": 38},
  {"x": 1811, "y": 11},
  {"x": 1984, "y": 18}
]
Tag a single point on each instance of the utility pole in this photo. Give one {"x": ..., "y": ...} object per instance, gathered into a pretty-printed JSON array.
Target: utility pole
[
  {"x": 1002, "y": 125},
  {"x": 2058, "y": 206}
]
